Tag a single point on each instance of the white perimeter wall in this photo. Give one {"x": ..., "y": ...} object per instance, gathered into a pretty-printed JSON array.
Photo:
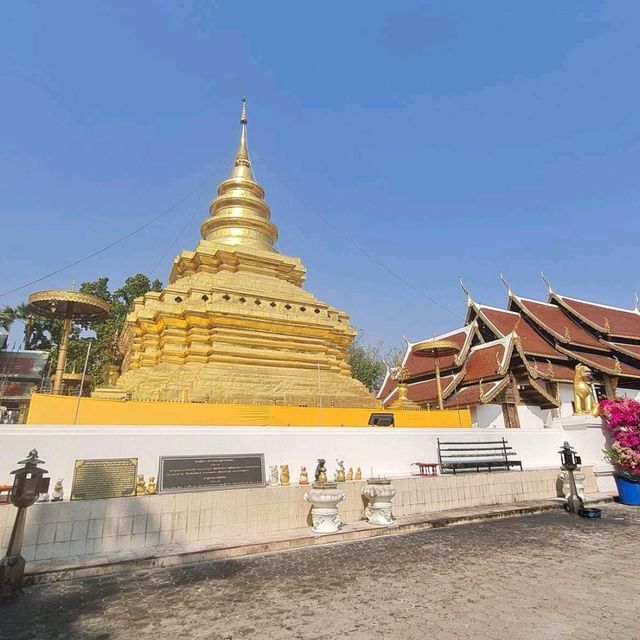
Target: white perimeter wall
[{"x": 386, "y": 451}]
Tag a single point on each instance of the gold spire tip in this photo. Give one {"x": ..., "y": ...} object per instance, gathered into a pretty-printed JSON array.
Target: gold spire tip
[{"x": 243, "y": 113}]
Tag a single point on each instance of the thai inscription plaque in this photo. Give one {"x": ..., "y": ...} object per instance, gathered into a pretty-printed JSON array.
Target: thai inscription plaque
[
  {"x": 200, "y": 473},
  {"x": 109, "y": 478}
]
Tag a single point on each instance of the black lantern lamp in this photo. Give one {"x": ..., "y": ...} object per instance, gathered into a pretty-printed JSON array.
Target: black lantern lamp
[
  {"x": 28, "y": 483},
  {"x": 570, "y": 459}
]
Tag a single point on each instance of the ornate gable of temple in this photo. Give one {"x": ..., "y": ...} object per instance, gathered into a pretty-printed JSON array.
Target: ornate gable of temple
[
  {"x": 521, "y": 354},
  {"x": 233, "y": 323}
]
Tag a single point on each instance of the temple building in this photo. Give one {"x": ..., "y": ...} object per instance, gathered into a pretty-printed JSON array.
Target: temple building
[
  {"x": 234, "y": 324},
  {"x": 516, "y": 367}
]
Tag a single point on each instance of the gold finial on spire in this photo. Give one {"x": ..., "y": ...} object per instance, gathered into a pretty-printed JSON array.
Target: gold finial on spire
[{"x": 242, "y": 166}]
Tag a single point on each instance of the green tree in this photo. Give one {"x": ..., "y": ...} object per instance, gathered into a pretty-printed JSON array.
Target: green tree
[
  {"x": 367, "y": 360},
  {"x": 104, "y": 350},
  {"x": 45, "y": 333}
]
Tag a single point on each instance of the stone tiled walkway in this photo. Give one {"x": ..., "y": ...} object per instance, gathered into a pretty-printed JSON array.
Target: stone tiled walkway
[{"x": 546, "y": 576}]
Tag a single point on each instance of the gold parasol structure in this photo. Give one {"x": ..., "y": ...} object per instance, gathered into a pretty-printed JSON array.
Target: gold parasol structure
[
  {"x": 66, "y": 306},
  {"x": 436, "y": 349}
]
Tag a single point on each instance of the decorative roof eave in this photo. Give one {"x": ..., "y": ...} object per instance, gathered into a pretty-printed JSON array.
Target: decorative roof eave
[
  {"x": 471, "y": 330},
  {"x": 518, "y": 301},
  {"x": 604, "y": 329},
  {"x": 498, "y": 386},
  {"x": 584, "y": 358},
  {"x": 622, "y": 348},
  {"x": 551, "y": 376},
  {"x": 488, "y": 391},
  {"x": 543, "y": 392}
]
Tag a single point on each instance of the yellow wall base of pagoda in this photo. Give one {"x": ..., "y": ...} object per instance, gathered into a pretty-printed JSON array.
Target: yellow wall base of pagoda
[
  {"x": 50, "y": 409},
  {"x": 229, "y": 383}
]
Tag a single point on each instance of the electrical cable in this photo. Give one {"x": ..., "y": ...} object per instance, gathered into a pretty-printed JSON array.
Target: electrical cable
[
  {"x": 111, "y": 244},
  {"x": 365, "y": 253}
]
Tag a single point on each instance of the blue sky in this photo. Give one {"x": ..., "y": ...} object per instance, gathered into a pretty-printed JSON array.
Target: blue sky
[{"x": 446, "y": 139}]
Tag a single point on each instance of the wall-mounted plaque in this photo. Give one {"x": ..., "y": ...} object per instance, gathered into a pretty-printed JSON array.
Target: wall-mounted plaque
[
  {"x": 110, "y": 478},
  {"x": 199, "y": 473}
]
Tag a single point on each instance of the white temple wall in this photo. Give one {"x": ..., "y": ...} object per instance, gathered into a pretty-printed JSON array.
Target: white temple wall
[
  {"x": 566, "y": 397},
  {"x": 533, "y": 417},
  {"x": 386, "y": 451},
  {"x": 488, "y": 416},
  {"x": 628, "y": 393}
]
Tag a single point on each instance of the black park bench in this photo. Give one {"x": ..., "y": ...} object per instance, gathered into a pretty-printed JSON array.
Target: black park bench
[{"x": 466, "y": 455}]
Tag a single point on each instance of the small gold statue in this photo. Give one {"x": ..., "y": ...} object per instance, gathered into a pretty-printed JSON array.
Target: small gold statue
[
  {"x": 140, "y": 488},
  {"x": 304, "y": 476},
  {"x": 350, "y": 474},
  {"x": 321, "y": 472},
  {"x": 584, "y": 403},
  {"x": 340, "y": 476},
  {"x": 284, "y": 475},
  {"x": 151, "y": 486},
  {"x": 358, "y": 474}
]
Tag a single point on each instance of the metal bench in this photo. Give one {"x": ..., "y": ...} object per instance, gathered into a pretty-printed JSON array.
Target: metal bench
[{"x": 485, "y": 455}]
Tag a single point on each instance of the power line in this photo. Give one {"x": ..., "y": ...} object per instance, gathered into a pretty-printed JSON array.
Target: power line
[
  {"x": 175, "y": 240},
  {"x": 365, "y": 253},
  {"x": 112, "y": 244}
]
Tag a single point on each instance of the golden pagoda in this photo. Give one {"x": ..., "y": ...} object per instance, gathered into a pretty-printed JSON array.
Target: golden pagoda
[{"x": 234, "y": 324}]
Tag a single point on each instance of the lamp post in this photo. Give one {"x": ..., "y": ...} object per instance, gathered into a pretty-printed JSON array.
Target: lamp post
[
  {"x": 28, "y": 483},
  {"x": 570, "y": 461}
]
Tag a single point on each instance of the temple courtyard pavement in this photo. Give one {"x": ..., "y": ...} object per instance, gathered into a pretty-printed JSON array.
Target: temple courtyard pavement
[{"x": 542, "y": 576}]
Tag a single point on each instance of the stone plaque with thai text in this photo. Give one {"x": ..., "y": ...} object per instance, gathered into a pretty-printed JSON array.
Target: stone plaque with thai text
[
  {"x": 199, "y": 473},
  {"x": 108, "y": 478}
]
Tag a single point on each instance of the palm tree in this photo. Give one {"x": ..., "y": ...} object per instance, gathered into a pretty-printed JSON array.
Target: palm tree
[{"x": 8, "y": 315}]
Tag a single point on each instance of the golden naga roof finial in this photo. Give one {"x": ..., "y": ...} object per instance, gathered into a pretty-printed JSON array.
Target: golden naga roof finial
[
  {"x": 506, "y": 284},
  {"x": 465, "y": 290},
  {"x": 546, "y": 281}
]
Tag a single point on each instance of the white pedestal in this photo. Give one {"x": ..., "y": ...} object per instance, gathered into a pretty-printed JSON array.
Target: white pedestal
[
  {"x": 324, "y": 509},
  {"x": 379, "y": 507}
]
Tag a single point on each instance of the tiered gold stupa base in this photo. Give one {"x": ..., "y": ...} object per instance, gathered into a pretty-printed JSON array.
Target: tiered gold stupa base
[{"x": 243, "y": 384}]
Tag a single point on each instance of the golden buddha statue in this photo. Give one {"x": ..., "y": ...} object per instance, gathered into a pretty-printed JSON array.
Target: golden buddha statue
[{"x": 234, "y": 324}]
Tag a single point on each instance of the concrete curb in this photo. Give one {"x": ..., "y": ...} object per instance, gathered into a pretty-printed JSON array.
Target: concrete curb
[{"x": 290, "y": 540}]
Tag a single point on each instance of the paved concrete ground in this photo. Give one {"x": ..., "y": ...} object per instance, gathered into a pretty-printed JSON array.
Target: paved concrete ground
[{"x": 547, "y": 576}]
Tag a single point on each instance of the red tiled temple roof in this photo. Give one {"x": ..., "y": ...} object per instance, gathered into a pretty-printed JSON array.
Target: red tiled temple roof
[
  {"x": 418, "y": 365},
  {"x": 486, "y": 361},
  {"x": 550, "y": 370},
  {"x": 555, "y": 321},
  {"x": 612, "y": 321},
  {"x": 632, "y": 350},
  {"x": 426, "y": 390},
  {"x": 504, "y": 322},
  {"x": 606, "y": 363},
  {"x": 476, "y": 394}
]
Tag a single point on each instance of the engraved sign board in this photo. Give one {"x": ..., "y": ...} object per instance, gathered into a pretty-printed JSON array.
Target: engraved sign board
[
  {"x": 109, "y": 478},
  {"x": 200, "y": 473}
]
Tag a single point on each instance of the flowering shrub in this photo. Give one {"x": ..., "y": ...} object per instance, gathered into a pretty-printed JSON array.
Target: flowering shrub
[{"x": 622, "y": 417}]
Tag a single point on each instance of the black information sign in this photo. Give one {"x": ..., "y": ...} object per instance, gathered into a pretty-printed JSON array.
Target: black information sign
[
  {"x": 198, "y": 473},
  {"x": 110, "y": 478}
]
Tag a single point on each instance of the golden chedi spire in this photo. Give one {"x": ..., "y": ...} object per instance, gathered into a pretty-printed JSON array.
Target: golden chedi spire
[{"x": 239, "y": 214}]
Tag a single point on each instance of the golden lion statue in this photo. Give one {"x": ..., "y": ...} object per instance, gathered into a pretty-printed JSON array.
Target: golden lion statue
[{"x": 584, "y": 403}]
